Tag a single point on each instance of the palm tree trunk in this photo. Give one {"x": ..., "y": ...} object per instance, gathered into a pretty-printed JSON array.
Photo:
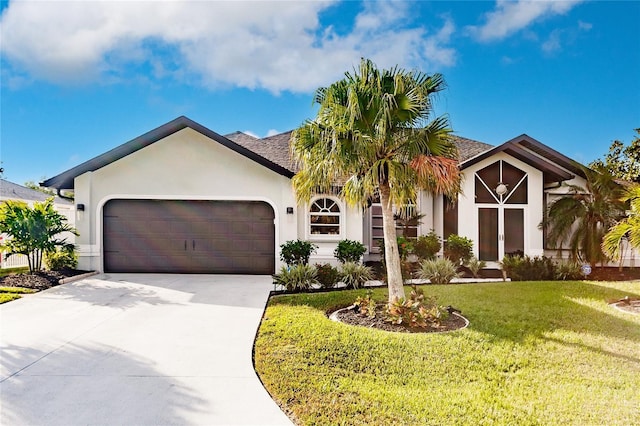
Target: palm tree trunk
[{"x": 391, "y": 253}]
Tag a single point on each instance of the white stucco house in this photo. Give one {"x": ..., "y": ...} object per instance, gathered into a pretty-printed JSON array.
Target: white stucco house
[{"x": 182, "y": 198}]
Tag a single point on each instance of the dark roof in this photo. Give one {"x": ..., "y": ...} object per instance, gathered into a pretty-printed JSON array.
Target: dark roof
[
  {"x": 13, "y": 191},
  {"x": 275, "y": 148},
  {"x": 556, "y": 167},
  {"x": 468, "y": 148},
  {"x": 65, "y": 179},
  {"x": 273, "y": 153}
]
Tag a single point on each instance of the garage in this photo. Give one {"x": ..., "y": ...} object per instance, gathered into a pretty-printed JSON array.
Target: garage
[{"x": 189, "y": 236}]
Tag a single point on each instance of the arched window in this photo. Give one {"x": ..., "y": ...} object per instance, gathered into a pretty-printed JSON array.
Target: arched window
[{"x": 325, "y": 217}]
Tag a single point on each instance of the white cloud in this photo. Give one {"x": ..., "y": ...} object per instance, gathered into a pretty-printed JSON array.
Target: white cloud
[
  {"x": 509, "y": 17},
  {"x": 585, "y": 26},
  {"x": 552, "y": 44},
  {"x": 250, "y": 133},
  {"x": 273, "y": 45},
  {"x": 272, "y": 132}
]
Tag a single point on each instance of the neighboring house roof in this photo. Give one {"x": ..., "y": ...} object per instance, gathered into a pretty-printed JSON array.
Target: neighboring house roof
[
  {"x": 65, "y": 180},
  {"x": 273, "y": 153},
  {"x": 556, "y": 167},
  {"x": 13, "y": 191}
]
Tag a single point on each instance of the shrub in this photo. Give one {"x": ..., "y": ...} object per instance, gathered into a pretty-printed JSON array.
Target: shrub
[
  {"x": 61, "y": 259},
  {"x": 475, "y": 266},
  {"x": 416, "y": 311},
  {"x": 297, "y": 252},
  {"x": 296, "y": 278},
  {"x": 458, "y": 249},
  {"x": 427, "y": 246},
  {"x": 438, "y": 271},
  {"x": 327, "y": 275},
  {"x": 568, "y": 271},
  {"x": 366, "y": 305},
  {"x": 355, "y": 275},
  {"x": 349, "y": 251},
  {"x": 537, "y": 268},
  {"x": 405, "y": 247}
]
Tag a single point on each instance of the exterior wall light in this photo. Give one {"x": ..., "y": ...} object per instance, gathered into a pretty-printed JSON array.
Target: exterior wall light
[
  {"x": 289, "y": 210},
  {"x": 501, "y": 189},
  {"x": 80, "y": 207}
]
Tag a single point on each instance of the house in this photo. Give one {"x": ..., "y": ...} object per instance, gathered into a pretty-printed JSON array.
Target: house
[
  {"x": 13, "y": 191},
  {"x": 182, "y": 198}
]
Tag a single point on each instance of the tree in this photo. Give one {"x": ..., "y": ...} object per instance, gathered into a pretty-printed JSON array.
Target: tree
[
  {"x": 628, "y": 227},
  {"x": 583, "y": 216},
  {"x": 32, "y": 185},
  {"x": 32, "y": 231},
  {"x": 374, "y": 137},
  {"x": 623, "y": 162}
]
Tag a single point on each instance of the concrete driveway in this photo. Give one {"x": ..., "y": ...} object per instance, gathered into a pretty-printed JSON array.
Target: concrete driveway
[{"x": 136, "y": 349}]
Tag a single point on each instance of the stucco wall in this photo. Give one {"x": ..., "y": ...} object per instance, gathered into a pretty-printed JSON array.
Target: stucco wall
[
  {"x": 185, "y": 165},
  {"x": 533, "y": 213}
]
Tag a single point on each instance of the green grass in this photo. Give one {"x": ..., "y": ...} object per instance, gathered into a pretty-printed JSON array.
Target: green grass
[
  {"x": 17, "y": 270},
  {"x": 535, "y": 353},
  {"x": 7, "y": 294}
]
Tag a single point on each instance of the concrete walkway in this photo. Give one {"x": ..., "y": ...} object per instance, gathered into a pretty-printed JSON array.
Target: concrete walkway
[{"x": 136, "y": 349}]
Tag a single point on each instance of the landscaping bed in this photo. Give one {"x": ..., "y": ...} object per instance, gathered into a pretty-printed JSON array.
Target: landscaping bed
[{"x": 41, "y": 280}]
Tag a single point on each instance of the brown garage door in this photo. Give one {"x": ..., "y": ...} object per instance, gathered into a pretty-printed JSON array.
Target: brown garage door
[{"x": 215, "y": 237}]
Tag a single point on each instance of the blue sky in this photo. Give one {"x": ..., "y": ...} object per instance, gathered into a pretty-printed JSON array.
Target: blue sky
[{"x": 79, "y": 78}]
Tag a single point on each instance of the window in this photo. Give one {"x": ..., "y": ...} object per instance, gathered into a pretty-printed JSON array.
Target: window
[
  {"x": 324, "y": 217},
  {"x": 501, "y": 183}
]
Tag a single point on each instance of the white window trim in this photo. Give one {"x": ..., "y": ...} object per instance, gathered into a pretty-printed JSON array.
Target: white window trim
[{"x": 341, "y": 217}]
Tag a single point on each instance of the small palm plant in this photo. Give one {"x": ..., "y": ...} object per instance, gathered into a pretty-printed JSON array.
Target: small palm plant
[{"x": 33, "y": 231}]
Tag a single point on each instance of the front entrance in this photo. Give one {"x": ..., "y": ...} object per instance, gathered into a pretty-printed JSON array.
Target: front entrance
[
  {"x": 501, "y": 192},
  {"x": 500, "y": 232}
]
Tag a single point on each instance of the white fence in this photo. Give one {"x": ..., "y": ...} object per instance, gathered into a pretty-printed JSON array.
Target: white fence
[{"x": 13, "y": 261}]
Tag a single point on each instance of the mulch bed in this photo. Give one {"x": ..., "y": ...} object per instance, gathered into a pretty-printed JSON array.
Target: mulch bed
[
  {"x": 628, "y": 304},
  {"x": 351, "y": 317},
  {"x": 614, "y": 274},
  {"x": 38, "y": 280}
]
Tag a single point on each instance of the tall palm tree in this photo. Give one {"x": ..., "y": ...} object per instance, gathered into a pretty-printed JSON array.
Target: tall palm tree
[
  {"x": 583, "y": 216},
  {"x": 628, "y": 227},
  {"x": 374, "y": 137}
]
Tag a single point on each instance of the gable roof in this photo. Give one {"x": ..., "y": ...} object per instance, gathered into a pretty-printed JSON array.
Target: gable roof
[
  {"x": 13, "y": 191},
  {"x": 65, "y": 180},
  {"x": 555, "y": 166},
  {"x": 273, "y": 152}
]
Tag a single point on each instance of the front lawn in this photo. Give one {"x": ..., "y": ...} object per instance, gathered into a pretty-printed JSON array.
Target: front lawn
[
  {"x": 535, "y": 353},
  {"x": 7, "y": 294}
]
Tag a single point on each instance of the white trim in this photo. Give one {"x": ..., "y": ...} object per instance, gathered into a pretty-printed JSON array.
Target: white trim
[
  {"x": 325, "y": 237},
  {"x": 100, "y": 205}
]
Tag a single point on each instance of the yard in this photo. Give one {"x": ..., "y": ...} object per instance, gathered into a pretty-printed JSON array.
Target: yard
[{"x": 534, "y": 353}]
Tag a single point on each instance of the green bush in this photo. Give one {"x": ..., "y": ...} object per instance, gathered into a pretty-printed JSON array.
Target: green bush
[
  {"x": 405, "y": 247},
  {"x": 475, "y": 266},
  {"x": 327, "y": 275},
  {"x": 416, "y": 311},
  {"x": 458, "y": 249},
  {"x": 349, "y": 251},
  {"x": 525, "y": 268},
  {"x": 297, "y": 252},
  {"x": 568, "y": 271},
  {"x": 427, "y": 246},
  {"x": 355, "y": 275},
  {"x": 61, "y": 259},
  {"x": 438, "y": 271},
  {"x": 296, "y": 278}
]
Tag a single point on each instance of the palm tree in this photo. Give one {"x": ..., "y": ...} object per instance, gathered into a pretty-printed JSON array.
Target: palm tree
[
  {"x": 629, "y": 227},
  {"x": 373, "y": 136},
  {"x": 583, "y": 216},
  {"x": 33, "y": 231}
]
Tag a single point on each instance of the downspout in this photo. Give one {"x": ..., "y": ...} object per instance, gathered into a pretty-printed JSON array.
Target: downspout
[{"x": 59, "y": 194}]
